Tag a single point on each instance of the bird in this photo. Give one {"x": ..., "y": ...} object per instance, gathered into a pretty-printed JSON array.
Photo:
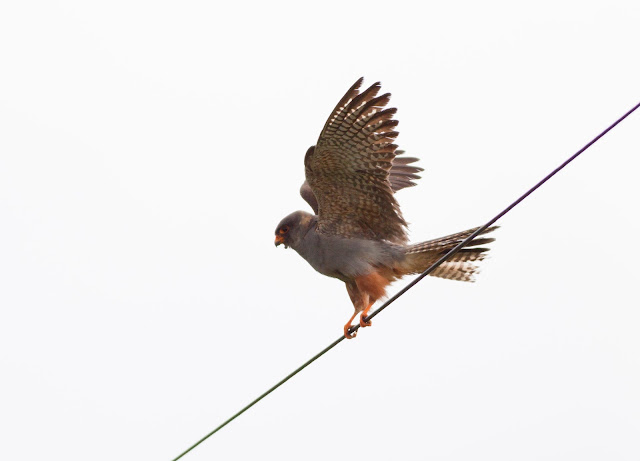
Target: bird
[{"x": 357, "y": 233}]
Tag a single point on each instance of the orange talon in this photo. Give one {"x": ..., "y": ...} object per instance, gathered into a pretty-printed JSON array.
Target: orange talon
[
  {"x": 364, "y": 316},
  {"x": 363, "y": 323},
  {"x": 348, "y": 325}
]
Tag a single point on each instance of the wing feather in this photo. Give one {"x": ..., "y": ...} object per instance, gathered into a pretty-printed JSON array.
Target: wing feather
[{"x": 351, "y": 171}]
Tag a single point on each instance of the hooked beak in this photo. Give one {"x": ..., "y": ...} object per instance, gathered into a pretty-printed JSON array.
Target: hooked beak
[{"x": 279, "y": 239}]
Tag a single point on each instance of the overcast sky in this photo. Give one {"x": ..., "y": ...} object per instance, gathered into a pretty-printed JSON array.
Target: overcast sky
[{"x": 148, "y": 150}]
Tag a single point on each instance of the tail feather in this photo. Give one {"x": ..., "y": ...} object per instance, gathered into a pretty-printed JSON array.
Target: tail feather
[{"x": 460, "y": 266}]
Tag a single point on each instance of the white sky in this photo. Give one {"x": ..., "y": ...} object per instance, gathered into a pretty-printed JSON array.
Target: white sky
[{"x": 148, "y": 150}]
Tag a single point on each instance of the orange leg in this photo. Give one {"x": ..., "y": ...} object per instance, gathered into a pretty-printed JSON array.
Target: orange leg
[
  {"x": 348, "y": 325},
  {"x": 364, "y": 315}
]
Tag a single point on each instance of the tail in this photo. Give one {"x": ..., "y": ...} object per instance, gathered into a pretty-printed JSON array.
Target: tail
[{"x": 460, "y": 266}]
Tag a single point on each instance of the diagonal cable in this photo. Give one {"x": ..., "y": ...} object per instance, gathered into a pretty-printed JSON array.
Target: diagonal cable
[{"x": 433, "y": 267}]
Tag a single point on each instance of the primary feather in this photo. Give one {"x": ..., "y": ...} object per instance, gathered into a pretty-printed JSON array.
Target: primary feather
[{"x": 348, "y": 170}]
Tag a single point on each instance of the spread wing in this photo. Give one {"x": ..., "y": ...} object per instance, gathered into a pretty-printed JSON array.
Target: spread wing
[
  {"x": 348, "y": 171},
  {"x": 401, "y": 175}
]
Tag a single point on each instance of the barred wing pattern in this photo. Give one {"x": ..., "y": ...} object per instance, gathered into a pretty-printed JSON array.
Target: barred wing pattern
[
  {"x": 348, "y": 171},
  {"x": 401, "y": 175}
]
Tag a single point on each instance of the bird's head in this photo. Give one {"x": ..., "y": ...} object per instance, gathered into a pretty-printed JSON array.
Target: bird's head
[{"x": 293, "y": 228}]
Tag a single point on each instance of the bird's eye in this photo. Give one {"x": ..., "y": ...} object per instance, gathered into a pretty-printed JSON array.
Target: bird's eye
[{"x": 283, "y": 230}]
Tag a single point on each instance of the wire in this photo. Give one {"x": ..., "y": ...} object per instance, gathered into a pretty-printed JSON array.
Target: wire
[
  {"x": 415, "y": 281},
  {"x": 277, "y": 385}
]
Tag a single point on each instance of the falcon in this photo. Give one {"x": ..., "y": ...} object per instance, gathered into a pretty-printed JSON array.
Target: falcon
[{"x": 357, "y": 233}]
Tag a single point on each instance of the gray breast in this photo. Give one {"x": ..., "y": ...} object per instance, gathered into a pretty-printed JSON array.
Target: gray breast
[{"x": 344, "y": 258}]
